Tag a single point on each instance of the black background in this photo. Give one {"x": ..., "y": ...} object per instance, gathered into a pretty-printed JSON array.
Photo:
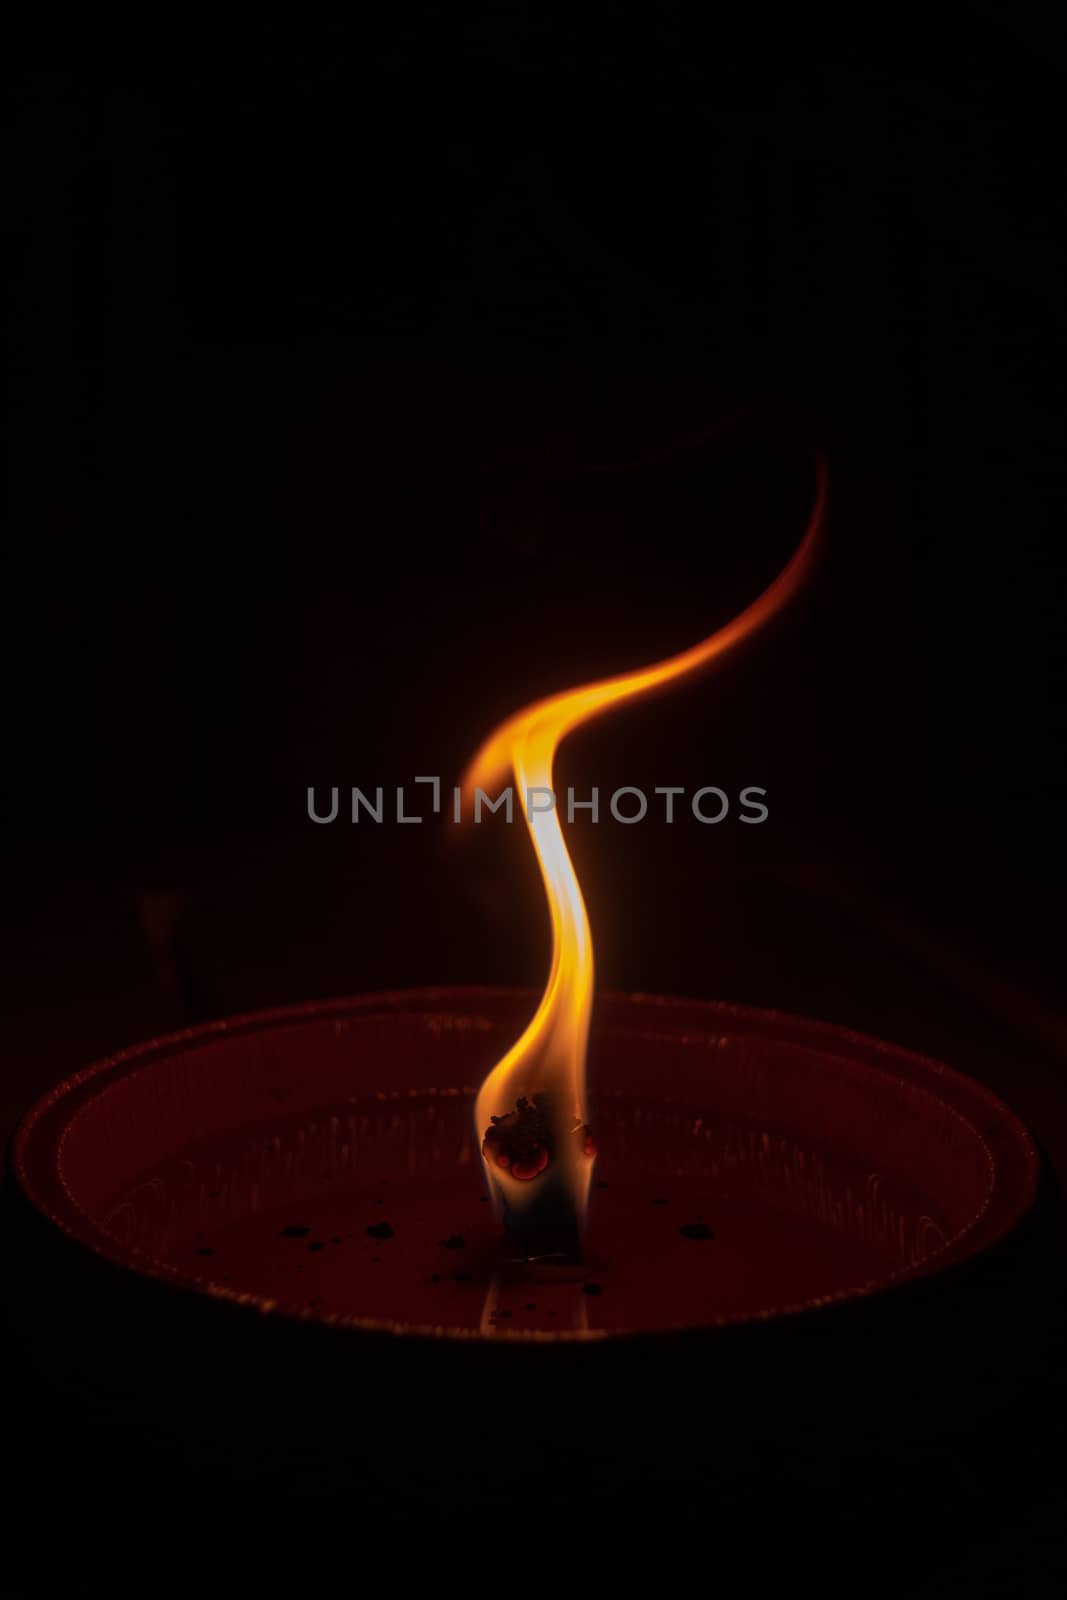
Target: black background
[{"x": 313, "y": 342}]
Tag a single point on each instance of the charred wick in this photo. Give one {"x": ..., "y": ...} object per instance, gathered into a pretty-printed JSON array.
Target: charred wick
[
  {"x": 522, "y": 1141},
  {"x": 525, "y": 1144}
]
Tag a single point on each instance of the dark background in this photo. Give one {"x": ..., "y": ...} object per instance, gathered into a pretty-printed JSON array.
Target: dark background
[{"x": 313, "y": 343}]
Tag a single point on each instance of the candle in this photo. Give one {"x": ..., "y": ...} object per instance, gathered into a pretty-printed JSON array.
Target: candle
[
  {"x": 433, "y": 1177},
  {"x": 321, "y": 1163}
]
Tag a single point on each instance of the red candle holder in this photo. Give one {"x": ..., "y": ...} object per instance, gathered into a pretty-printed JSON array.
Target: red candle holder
[
  {"x": 321, "y": 1162},
  {"x": 270, "y": 1235}
]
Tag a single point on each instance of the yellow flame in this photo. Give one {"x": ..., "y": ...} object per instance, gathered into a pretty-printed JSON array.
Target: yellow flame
[{"x": 550, "y": 1053}]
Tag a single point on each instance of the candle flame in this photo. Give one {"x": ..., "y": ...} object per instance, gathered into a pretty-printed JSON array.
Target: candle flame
[{"x": 544, "y": 1071}]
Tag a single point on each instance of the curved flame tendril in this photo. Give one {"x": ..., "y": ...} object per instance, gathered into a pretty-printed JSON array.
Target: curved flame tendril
[{"x": 549, "y": 1055}]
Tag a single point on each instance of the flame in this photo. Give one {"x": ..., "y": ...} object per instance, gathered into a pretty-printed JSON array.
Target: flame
[{"x": 549, "y": 1056}]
